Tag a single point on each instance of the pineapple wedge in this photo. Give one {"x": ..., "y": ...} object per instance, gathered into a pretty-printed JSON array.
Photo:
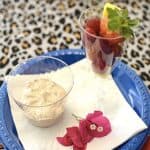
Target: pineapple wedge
[{"x": 108, "y": 5}]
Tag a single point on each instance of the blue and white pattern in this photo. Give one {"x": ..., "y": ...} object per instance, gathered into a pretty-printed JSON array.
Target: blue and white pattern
[{"x": 120, "y": 73}]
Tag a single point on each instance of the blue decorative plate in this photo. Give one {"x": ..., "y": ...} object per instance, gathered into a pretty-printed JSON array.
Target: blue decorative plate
[{"x": 128, "y": 82}]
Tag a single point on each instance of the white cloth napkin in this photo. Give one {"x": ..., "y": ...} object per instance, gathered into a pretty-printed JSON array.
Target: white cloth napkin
[{"x": 90, "y": 92}]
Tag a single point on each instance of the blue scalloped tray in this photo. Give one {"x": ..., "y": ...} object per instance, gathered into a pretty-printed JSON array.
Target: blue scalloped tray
[{"x": 125, "y": 78}]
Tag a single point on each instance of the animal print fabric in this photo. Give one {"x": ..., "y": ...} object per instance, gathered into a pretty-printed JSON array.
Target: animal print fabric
[{"x": 33, "y": 27}]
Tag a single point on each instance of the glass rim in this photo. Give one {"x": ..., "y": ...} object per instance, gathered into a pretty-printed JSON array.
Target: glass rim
[
  {"x": 94, "y": 36},
  {"x": 37, "y": 106}
]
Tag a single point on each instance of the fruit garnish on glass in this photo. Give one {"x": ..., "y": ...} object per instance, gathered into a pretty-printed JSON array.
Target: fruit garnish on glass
[{"x": 104, "y": 32}]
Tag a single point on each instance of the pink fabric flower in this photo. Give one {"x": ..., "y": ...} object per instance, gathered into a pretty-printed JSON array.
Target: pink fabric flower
[
  {"x": 72, "y": 137},
  {"x": 101, "y": 123},
  {"x": 84, "y": 131},
  {"x": 93, "y": 115},
  {"x": 66, "y": 140},
  {"x": 75, "y": 136},
  {"x": 78, "y": 148},
  {"x": 94, "y": 125}
]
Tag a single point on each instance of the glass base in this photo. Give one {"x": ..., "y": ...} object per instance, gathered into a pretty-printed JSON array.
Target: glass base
[{"x": 104, "y": 72}]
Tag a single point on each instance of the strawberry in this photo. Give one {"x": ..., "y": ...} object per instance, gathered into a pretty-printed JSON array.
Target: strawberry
[
  {"x": 91, "y": 31},
  {"x": 105, "y": 46},
  {"x": 102, "y": 64},
  {"x": 93, "y": 23},
  {"x": 98, "y": 63},
  {"x": 117, "y": 50}
]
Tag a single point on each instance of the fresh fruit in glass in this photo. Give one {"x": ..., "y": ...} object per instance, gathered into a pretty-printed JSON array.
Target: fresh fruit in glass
[{"x": 104, "y": 32}]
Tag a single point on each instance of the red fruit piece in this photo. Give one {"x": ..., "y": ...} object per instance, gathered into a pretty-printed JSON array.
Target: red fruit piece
[
  {"x": 84, "y": 131},
  {"x": 117, "y": 50},
  {"x": 101, "y": 62},
  {"x": 89, "y": 36},
  {"x": 90, "y": 30},
  {"x": 66, "y": 141},
  {"x": 98, "y": 63},
  {"x": 75, "y": 136},
  {"x": 94, "y": 24},
  {"x": 105, "y": 46}
]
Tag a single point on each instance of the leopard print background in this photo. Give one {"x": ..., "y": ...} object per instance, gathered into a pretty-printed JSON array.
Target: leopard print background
[{"x": 33, "y": 27}]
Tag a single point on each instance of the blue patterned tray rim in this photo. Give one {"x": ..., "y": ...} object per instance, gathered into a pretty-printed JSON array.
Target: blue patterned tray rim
[{"x": 8, "y": 133}]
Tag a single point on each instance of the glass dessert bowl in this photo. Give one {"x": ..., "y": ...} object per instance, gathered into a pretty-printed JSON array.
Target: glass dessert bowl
[
  {"x": 39, "y": 86},
  {"x": 104, "y": 32}
]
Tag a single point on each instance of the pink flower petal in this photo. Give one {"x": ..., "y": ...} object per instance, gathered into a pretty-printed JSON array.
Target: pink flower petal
[
  {"x": 103, "y": 122},
  {"x": 75, "y": 136},
  {"x": 66, "y": 141},
  {"x": 77, "y": 148},
  {"x": 95, "y": 125},
  {"x": 84, "y": 131},
  {"x": 93, "y": 115}
]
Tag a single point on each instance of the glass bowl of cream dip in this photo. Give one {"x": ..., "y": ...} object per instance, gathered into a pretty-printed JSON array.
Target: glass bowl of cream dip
[{"x": 40, "y": 86}]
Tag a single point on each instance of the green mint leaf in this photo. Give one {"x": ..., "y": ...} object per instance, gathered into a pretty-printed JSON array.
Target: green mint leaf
[
  {"x": 127, "y": 32},
  {"x": 112, "y": 12},
  {"x": 119, "y": 21},
  {"x": 133, "y": 22},
  {"x": 124, "y": 13},
  {"x": 114, "y": 24}
]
